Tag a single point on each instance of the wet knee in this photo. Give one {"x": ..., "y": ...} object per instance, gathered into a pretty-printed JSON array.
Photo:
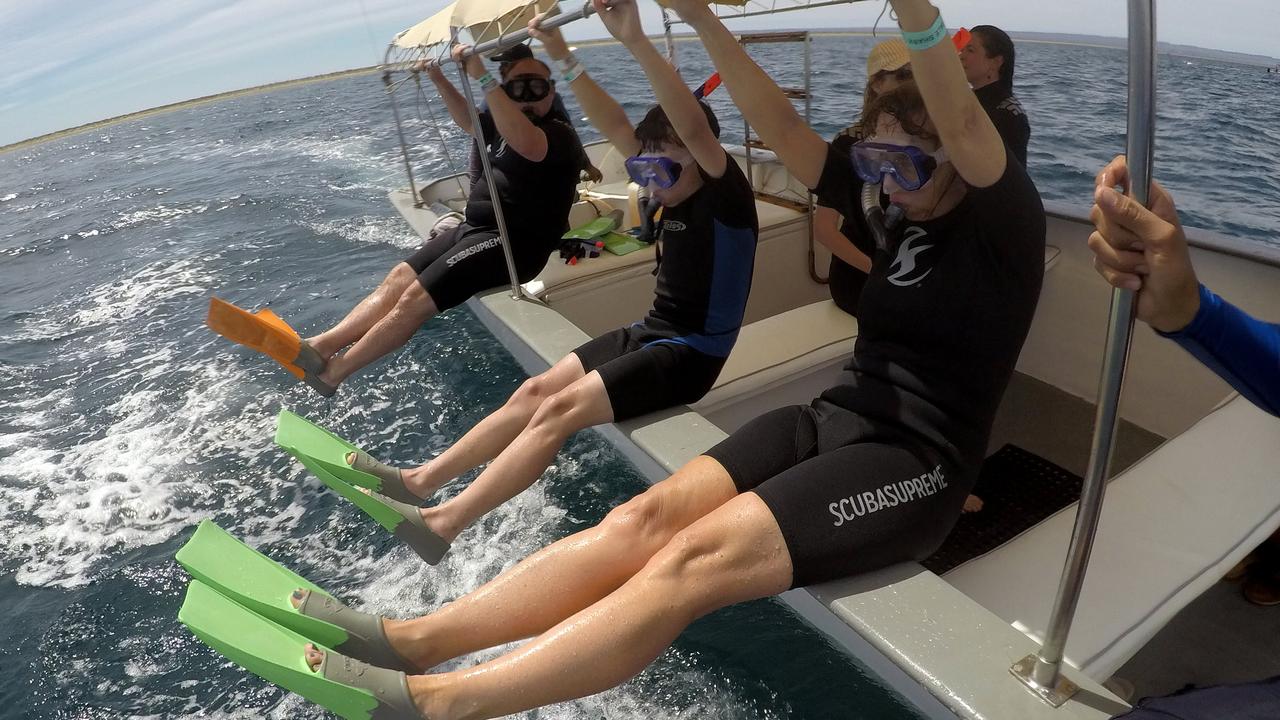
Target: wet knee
[
  {"x": 533, "y": 391},
  {"x": 638, "y": 521},
  {"x": 689, "y": 555},
  {"x": 414, "y": 299},
  {"x": 556, "y": 414},
  {"x": 400, "y": 276}
]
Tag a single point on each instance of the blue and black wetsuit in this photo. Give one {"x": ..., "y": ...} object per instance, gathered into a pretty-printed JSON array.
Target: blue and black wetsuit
[
  {"x": 675, "y": 354},
  {"x": 1241, "y": 349}
]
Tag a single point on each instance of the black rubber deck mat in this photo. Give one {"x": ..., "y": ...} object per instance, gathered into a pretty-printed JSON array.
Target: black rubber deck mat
[{"x": 1018, "y": 489}]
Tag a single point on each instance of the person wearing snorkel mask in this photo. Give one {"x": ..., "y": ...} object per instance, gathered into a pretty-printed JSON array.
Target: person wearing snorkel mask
[
  {"x": 888, "y": 66},
  {"x": 670, "y": 357},
  {"x": 536, "y": 157}
]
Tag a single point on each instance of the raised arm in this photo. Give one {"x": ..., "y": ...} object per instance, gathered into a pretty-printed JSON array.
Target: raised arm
[
  {"x": 602, "y": 110},
  {"x": 622, "y": 19},
  {"x": 761, "y": 102},
  {"x": 453, "y": 100},
  {"x": 972, "y": 143},
  {"x": 521, "y": 135}
]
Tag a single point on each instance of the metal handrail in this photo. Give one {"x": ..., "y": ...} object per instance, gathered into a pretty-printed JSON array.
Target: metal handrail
[
  {"x": 404, "y": 146},
  {"x": 1041, "y": 672},
  {"x": 496, "y": 200}
]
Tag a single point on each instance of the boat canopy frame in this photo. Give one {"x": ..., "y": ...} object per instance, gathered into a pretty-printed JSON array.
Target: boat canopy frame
[{"x": 433, "y": 38}]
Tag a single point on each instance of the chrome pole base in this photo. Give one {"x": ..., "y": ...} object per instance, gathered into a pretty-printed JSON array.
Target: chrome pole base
[{"x": 1059, "y": 693}]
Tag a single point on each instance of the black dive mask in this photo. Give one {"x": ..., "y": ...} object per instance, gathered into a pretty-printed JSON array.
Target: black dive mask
[{"x": 528, "y": 89}]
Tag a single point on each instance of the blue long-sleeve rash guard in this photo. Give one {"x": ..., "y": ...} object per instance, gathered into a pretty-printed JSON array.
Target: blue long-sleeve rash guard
[{"x": 1241, "y": 349}]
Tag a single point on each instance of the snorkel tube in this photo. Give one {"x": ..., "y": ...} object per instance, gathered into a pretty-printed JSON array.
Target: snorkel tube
[
  {"x": 882, "y": 223},
  {"x": 649, "y": 207}
]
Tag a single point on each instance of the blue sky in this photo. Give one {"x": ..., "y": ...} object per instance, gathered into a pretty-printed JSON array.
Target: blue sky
[{"x": 68, "y": 63}]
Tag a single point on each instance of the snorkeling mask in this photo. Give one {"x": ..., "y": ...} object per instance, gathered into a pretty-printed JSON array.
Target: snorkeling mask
[
  {"x": 645, "y": 169},
  {"x": 909, "y": 166},
  {"x": 528, "y": 88}
]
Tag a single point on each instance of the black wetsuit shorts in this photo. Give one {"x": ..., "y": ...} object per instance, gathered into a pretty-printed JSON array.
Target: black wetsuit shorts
[
  {"x": 466, "y": 260},
  {"x": 850, "y": 495},
  {"x": 645, "y": 370}
]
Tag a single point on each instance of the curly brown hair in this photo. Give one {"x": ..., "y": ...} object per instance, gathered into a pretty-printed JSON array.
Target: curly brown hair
[{"x": 905, "y": 105}]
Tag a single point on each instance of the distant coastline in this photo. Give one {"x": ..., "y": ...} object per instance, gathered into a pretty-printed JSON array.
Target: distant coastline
[
  {"x": 1095, "y": 41},
  {"x": 160, "y": 109}
]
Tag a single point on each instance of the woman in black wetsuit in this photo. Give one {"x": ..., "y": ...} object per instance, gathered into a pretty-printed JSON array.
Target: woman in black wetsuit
[
  {"x": 871, "y": 473},
  {"x": 988, "y": 61}
]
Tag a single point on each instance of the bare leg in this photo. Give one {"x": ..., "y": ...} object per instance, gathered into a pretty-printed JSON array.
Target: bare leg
[
  {"x": 568, "y": 575},
  {"x": 412, "y": 309},
  {"x": 493, "y": 434},
  {"x": 581, "y": 405},
  {"x": 735, "y": 553},
  {"x": 363, "y": 316}
]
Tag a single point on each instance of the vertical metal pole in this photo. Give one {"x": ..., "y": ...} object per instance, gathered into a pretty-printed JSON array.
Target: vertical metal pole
[
  {"x": 478, "y": 134},
  {"x": 404, "y": 147},
  {"x": 671, "y": 42},
  {"x": 1043, "y": 675}
]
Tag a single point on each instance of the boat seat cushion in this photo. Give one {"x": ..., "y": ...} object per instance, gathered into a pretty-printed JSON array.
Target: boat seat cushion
[
  {"x": 769, "y": 351},
  {"x": 1171, "y": 526}
]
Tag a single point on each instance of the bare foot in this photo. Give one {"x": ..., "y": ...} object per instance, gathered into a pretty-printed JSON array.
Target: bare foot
[{"x": 972, "y": 504}]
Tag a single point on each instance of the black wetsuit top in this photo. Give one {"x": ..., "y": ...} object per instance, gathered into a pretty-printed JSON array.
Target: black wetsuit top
[
  {"x": 1006, "y": 113},
  {"x": 708, "y": 245},
  {"x": 536, "y": 196},
  {"x": 945, "y": 311},
  {"x": 844, "y": 280}
]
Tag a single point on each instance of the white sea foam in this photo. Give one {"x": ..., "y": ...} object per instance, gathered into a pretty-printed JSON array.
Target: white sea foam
[
  {"x": 8, "y": 197},
  {"x": 129, "y": 479},
  {"x": 371, "y": 229}
]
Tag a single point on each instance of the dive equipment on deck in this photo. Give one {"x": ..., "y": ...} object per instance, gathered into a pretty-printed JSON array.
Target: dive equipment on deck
[{"x": 324, "y": 454}]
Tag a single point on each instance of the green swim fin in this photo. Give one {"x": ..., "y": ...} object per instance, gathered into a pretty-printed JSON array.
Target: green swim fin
[
  {"x": 315, "y": 446},
  {"x": 217, "y": 559},
  {"x": 324, "y": 454},
  {"x": 270, "y": 651}
]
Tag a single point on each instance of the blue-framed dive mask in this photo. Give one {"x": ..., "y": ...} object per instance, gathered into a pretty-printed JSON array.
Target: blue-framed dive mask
[
  {"x": 645, "y": 169},
  {"x": 909, "y": 166}
]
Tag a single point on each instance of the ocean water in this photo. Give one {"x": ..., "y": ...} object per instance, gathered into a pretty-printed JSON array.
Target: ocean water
[{"x": 124, "y": 421}]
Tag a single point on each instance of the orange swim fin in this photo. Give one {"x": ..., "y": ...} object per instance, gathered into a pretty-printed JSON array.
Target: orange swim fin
[{"x": 263, "y": 331}]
